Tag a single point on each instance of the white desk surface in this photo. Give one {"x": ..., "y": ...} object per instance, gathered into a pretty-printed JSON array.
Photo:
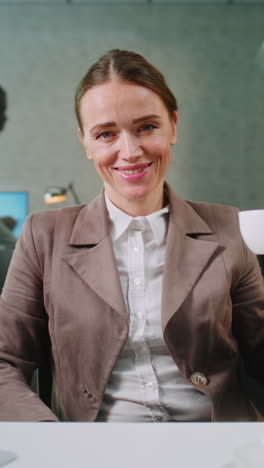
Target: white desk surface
[{"x": 118, "y": 445}]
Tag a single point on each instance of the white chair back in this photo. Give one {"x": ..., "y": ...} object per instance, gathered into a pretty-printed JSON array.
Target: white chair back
[{"x": 252, "y": 229}]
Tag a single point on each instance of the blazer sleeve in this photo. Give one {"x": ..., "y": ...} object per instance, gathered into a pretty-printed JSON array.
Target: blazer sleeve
[
  {"x": 248, "y": 313},
  {"x": 24, "y": 335}
]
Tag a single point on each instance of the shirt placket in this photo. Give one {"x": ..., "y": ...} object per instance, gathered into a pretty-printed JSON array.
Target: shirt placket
[
  {"x": 136, "y": 281},
  {"x": 137, "y": 305}
]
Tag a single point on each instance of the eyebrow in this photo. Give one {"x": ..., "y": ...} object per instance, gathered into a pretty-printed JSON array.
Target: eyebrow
[
  {"x": 113, "y": 124},
  {"x": 146, "y": 117},
  {"x": 102, "y": 125}
]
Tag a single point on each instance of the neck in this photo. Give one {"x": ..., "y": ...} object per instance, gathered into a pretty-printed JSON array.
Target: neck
[{"x": 139, "y": 207}]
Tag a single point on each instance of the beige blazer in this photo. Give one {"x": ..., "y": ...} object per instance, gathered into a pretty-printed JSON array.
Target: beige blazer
[{"x": 63, "y": 290}]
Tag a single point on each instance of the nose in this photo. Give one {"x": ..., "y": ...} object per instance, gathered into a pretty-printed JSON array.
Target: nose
[{"x": 130, "y": 148}]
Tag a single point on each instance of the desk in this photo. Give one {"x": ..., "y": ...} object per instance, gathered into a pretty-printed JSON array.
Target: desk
[{"x": 118, "y": 445}]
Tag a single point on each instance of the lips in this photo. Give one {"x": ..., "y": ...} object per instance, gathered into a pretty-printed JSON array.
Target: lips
[
  {"x": 133, "y": 173},
  {"x": 136, "y": 169}
]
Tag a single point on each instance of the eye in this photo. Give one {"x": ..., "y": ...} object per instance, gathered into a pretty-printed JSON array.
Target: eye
[
  {"x": 147, "y": 128},
  {"x": 105, "y": 136}
]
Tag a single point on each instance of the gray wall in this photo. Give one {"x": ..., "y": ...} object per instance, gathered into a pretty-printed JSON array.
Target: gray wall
[{"x": 207, "y": 53}]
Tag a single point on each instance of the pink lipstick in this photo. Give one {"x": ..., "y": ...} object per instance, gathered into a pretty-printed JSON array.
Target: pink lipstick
[{"x": 134, "y": 172}]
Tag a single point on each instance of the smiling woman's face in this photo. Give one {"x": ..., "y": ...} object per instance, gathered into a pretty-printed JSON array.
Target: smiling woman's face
[{"x": 128, "y": 134}]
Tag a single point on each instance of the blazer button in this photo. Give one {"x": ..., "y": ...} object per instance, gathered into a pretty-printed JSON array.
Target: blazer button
[
  {"x": 87, "y": 394},
  {"x": 198, "y": 379}
]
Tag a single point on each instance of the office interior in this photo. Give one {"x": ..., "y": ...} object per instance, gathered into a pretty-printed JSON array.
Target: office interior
[{"x": 211, "y": 53}]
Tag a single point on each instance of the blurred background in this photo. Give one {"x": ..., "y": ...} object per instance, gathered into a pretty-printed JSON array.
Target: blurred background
[{"x": 210, "y": 51}]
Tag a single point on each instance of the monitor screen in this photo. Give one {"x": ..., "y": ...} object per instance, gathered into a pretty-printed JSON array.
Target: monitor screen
[{"x": 15, "y": 205}]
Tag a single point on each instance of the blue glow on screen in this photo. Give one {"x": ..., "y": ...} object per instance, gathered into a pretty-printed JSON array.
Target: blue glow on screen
[{"x": 14, "y": 204}]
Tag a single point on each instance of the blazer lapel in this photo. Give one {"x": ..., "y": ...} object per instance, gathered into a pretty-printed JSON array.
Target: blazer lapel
[
  {"x": 186, "y": 255},
  {"x": 93, "y": 256}
]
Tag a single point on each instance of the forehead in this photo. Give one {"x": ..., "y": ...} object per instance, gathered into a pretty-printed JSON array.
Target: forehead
[{"x": 115, "y": 99}]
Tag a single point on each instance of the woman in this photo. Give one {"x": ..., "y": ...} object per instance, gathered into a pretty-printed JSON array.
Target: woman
[{"x": 147, "y": 301}]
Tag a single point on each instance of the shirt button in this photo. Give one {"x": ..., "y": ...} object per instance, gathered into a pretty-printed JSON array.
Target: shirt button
[
  {"x": 139, "y": 315},
  {"x": 149, "y": 384},
  {"x": 137, "y": 281},
  {"x": 198, "y": 379},
  {"x": 136, "y": 249}
]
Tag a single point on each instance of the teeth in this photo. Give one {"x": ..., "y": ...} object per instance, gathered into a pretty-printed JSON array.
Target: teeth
[{"x": 130, "y": 171}]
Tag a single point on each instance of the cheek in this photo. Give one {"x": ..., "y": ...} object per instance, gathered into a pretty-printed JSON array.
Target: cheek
[
  {"x": 160, "y": 150},
  {"x": 104, "y": 160}
]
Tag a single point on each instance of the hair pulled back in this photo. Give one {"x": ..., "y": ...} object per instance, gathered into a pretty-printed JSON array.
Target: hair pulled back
[{"x": 128, "y": 67}]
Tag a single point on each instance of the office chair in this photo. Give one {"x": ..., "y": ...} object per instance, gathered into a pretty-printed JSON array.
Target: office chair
[
  {"x": 5, "y": 257},
  {"x": 252, "y": 230}
]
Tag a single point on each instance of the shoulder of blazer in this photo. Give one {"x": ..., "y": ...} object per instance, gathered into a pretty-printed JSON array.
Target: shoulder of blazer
[
  {"x": 77, "y": 219},
  {"x": 199, "y": 217},
  {"x": 217, "y": 216},
  {"x": 224, "y": 221},
  {"x": 48, "y": 220},
  {"x": 45, "y": 228},
  {"x": 78, "y": 225}
]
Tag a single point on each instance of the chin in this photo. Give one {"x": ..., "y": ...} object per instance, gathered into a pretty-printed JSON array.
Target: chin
[{"x": 139, "y": 194}]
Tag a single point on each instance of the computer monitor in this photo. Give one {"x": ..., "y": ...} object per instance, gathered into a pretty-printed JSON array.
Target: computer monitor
[{"x": 14, "y": 204}]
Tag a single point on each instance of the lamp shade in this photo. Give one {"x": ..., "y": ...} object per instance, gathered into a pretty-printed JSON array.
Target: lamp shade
[
  {"x": 252, "y": 229},
  {"x": 55, "y": 195},
  {"x": 59, "y": 194}
]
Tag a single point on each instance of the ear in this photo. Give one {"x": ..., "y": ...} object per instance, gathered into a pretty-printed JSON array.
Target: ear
[
  {"x": 174, "y": 122},
  {"x": 84, "y": 143}
]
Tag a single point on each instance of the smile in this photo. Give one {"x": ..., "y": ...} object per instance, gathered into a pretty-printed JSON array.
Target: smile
[{"x": 133, "y": 172}]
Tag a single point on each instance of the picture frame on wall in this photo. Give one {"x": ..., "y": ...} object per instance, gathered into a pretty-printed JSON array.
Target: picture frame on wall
[{"x": 16, "y": 206}]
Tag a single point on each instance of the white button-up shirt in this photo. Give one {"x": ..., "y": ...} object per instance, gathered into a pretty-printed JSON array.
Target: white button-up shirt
[{"x": 146, "y": 384}]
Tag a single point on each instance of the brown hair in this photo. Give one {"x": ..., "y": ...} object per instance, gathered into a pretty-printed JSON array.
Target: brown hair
[{"x": 128, "y": 67}]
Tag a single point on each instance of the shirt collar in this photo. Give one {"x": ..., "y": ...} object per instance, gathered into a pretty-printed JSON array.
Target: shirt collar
[
  {"x": 159, "y": 223},
  {"x": 120, "y": 221}
]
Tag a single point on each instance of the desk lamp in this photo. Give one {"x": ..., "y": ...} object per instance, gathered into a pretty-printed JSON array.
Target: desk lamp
[{"x": 59, "y": 194}]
